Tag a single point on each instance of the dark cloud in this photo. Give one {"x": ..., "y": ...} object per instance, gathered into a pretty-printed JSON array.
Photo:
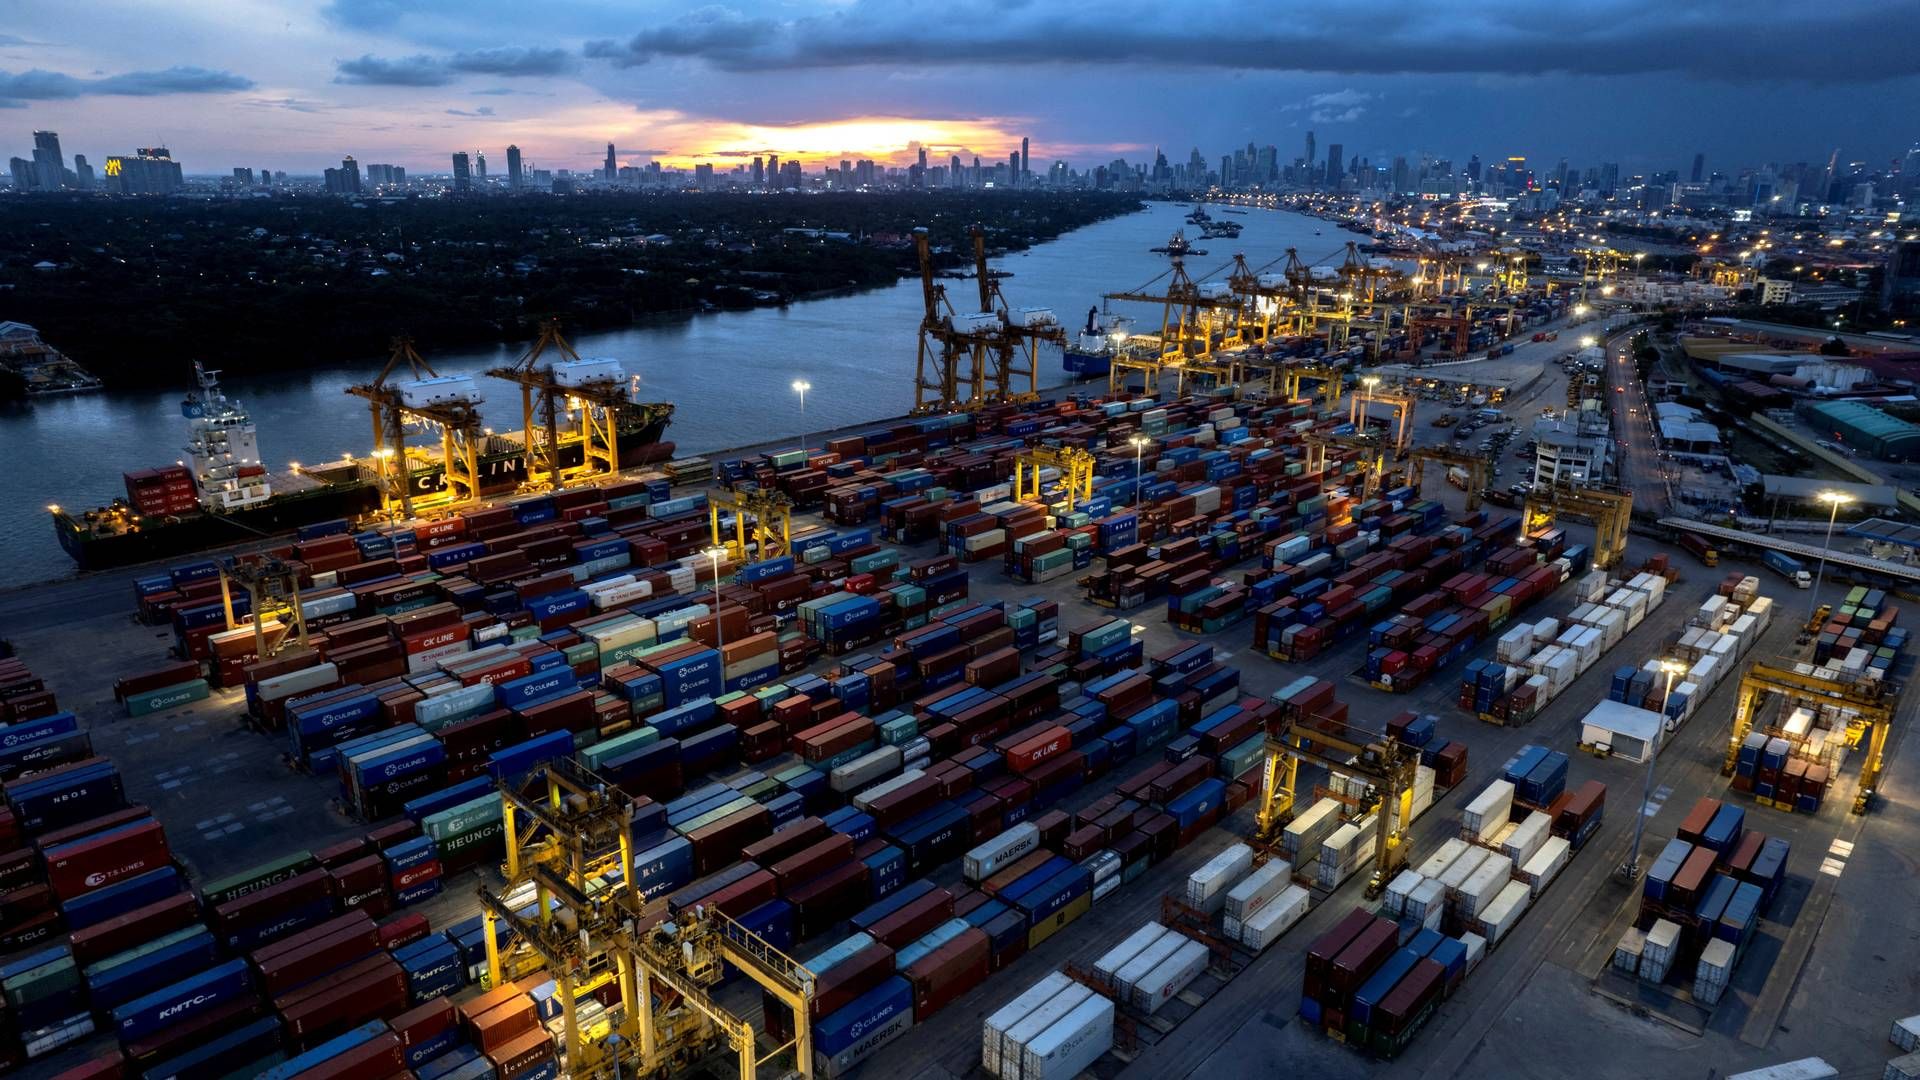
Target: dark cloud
[
  {"x": 423, "y": 70},
  {"x": 1766, "y": 43},
  {"x": 481, "y": 112},
  {"x": 370, "y": 70},
  {"x": 643, "y": 153},
  {"x": 41, "y": 85},
  {"x": 511, "y": 62}
]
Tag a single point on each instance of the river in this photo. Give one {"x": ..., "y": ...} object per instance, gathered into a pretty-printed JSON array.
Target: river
[{"x": 729, "y": 373}]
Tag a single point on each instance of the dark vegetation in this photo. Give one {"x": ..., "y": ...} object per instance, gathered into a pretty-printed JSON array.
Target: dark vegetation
[{"x": 141, "y": 287}]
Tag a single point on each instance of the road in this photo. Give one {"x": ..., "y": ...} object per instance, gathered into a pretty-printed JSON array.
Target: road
[{"x": 1637, "y": 442}]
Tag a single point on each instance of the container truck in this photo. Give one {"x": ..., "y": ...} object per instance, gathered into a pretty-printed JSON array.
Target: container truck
[
  {"x": 1788, "y": 567},
  {"x": 1700, "y": 549}
]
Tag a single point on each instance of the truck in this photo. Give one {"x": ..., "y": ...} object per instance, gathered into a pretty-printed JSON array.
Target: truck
[
  {"x": 1788, "y": 567},
  {"x": 1698, "y": 546}
]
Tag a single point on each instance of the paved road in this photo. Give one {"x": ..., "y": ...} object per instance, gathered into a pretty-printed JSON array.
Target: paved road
[{"x": 1637, "y": 443}]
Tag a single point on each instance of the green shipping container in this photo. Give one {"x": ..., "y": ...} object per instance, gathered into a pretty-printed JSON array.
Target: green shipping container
[
  {"x": 168, "y": 697},
  {"x": 464, "y": 818},
  {"x": 234, "y": 886}
]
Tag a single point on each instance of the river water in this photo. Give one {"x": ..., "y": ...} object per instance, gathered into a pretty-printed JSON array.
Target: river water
[{"x": 728, "y": 373}]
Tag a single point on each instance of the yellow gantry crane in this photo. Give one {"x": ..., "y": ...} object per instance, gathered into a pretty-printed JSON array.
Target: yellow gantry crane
[
  {"x": 1611, "y": 512},
  {"x": 1402, "y": 403},
  {"x": 1191, "y": 319},
  {"x": 997, "y": 346},
  {"x": 761, "y": 518},
  {"x": 273, "y": 586},
  {"x": 593, "y": 397},
  {"x": 1332, "y": 384},
  {"x": 1382, "y": 760},
  {"x": 570, "y": 850},
  {"x": 1372, "y": 459},
  {"x": 1599, "y": 266},
  {"x": 1870, "y": 716},
  {"x": 1076, "y": 472},
  {"x": 451, "y": 405},
  {"x": 1474, "y": 464}
]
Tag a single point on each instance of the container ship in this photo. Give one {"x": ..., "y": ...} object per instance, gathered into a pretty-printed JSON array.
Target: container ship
[
  {"x": 1092, "y": 352},
  {"x": 223, "y": 494}
]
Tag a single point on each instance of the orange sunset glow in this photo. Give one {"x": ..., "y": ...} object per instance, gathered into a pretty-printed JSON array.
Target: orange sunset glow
[{"x": 881, "y": 138}]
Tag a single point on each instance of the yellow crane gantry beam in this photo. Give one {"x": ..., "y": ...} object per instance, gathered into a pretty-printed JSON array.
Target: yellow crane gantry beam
[
  {"x": 458, "y": 421},
  {"x": 588, "y": 408},
  {"x": 762, "y": 519},
  {"x": 1372, "y": 460},
  {"x": 1076, "y": 472},
  {"x": 1872, "y": 716},
  {"x": 1380, "y": 759},
  {"x": 1475, "y": 464},
  {"x": 1612, "y": 513}
]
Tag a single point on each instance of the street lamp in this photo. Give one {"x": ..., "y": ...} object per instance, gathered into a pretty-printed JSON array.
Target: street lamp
[
  {"x": 801, "y": 386},
  {"x": 1630, "y": 870},
  {"x": 1139, "y": 443},
  {"x": 715, "y": 554},
  {"x": 1835, "y": 500},
  {"x": 1367, "y": 383}
]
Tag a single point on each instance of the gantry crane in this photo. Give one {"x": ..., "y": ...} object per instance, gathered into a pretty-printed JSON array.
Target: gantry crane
[
  {"x": 273, "y": 588},
  {"x": 450, "y": 404},
  {"x": 1372, "y": 459},
  {"x": 594, "y": 397},
  {"x": 1076, "y": 472},
  {"x": 1188, "y": 322},
  {"x": 1332, "y": 384},
  {"x": 570, "y": 851},
  {"x": 761, "y": 518},
  {"x": 998, "y": 347},
  {"x": 1340, "y": 748},
  {"x": 1475, "y": 465},
  {"x": 1871, "y": 715},
  {"x": 1598, "y": 267},
  {"x": 1403, "y": 407},
  {"x": 1611, "y": 512}
]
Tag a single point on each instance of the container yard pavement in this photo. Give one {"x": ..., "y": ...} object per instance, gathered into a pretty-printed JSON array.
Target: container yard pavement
[{"x": 1829, "y": 983}]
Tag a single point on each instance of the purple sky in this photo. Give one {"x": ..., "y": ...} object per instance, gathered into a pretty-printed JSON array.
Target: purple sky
[{"x": 296, "y": 85}]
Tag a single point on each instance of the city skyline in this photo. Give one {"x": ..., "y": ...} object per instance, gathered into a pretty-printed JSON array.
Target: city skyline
[{"x": 819, "y": 82}]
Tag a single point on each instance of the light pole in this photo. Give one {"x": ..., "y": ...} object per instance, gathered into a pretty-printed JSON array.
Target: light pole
[
  {"x": 1139, "y": 443},
  {"x": 1834, "y": 499},
  {"x": 801, "y": 386},
  {"x": 715, "y": 554},
  {"x": 1367, "y": 383},
  {"x": 1630, "y": 870}
]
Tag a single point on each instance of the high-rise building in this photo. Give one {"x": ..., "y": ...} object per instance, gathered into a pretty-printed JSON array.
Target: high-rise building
[
  {"x": 759, "y": 172},
  {"x": 1910, "y": 170},
  {"x": 515, "y": 175},
  {"x": 1336, "y": 159},
  {"x": 1013, "y": 169},
  {"x": 703, "y": 175},
  {"x": 350, "y": 175},
  {"x": 1024, "y": 172},
  {"x": 1699, "y": 166},
  {"x": 773, "y": 170},
  {"x": 82, "y": 172},
  {"x": 462, "y": 173},
  {"x": 480, "y": 167},
  {"x": 243, "y": 175},
  {"x": 955, "y": 178},
  {"x": 150, "y": 170},
  {"x": 50, "y": 166},
  {"x": 611, "y": 170},
  {"x": 25, "y": 178},
  {"x": 1402, "y": 178},
  {"x": 793, "y": 175},
  {"x": 1311, "y": 157},
  {"x": 266, "y": 175}
]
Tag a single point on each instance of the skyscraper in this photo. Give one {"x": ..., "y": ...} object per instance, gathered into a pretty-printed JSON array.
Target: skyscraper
[
  {"x": 612, "y": 168},
  {"x": 150, "y": 170},
  {"x": 350, "y": 174},
  {"x": 1336, "y": 159},
  {"x": 49, "y": 166},
  {"x": 759, "y": 172},
  {"x": 773, "y": 170},
  {"x": 514, "y": 174},
  {"x": 480, "y": 167},
  {"x": 1699, "y": 166},
  {"x": 1013, "y": 169},
  {"x": 954, "y": 178},
  {"x": 1310, "y": 158},
  {"x": 462, "y": 173},
  {"x": 1023, "y": 159},
  {"x": 923, "y": 159},
  {"x": 82, "y": 172}
]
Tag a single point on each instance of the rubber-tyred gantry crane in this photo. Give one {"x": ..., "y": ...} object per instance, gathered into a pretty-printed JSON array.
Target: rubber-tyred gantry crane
[
  {"x": 1340, "y": 748},
  {"x": 450, "y": 404}
]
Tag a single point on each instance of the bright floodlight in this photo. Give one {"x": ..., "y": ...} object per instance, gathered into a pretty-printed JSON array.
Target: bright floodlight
[
  {"x": 715, "y": 553},
  {"x": 1589, "y": 341},
  {"x": 1139, "y": 442},
  {"x": 1837, "y": 498},
  {"x": 1673, "y": 667},
  {"x": 801, "y": 386}
]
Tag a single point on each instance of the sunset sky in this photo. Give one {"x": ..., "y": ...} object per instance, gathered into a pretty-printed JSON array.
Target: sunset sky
[{"x": 296, "y": 84}]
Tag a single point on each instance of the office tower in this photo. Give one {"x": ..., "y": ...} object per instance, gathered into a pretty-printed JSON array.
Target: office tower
[
  {"x": 49, "y": 166},
  {"x": 1023, "y": 159},
  {"x": 1699, "y": 166},
  {"x": 1335, "y": 159},
  {"x": 703, "y": 175},
  {"x": 515, "y": 174},
  {"x": 82, "y": 172},
  {"x": 1910, "y": 170},
  {"x": 150, "y": 170},
  {"x": 759, "y": 172},
  {"x": 243, "y": 175},
  {"x": 1310, "y": 159},
  {"x": 1013, "y": 168},
  {"x": 612, "y": 169},
  {"x": 954, "y": 177},
  {"x": 773, "y": 169},
  {"x": 794, "y": 177},
  {"x": 462, "y": 173},
  {"x": 923, "y": 159},
  {"x": 1402, "y": 179},
  {"x": 350, "y": 175},
  {"x": 480, "y": 167},
  {"x": 25, "y": 177}
]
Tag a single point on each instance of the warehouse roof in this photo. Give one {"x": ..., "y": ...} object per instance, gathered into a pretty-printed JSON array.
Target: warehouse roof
[
  {"x": 1775, "y": 486},
  {"x": 1887, "y": 532},
  {"x": 1864, "y": 418},
  {"x": 1623, "y": 719}
]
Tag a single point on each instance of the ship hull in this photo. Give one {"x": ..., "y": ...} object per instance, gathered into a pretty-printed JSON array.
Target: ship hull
[
  {"x": 500, "y": 474},
  {"x": 1085, "y": 364}
]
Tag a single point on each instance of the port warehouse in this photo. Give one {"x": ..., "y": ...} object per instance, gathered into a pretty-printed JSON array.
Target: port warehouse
[{"x": 1083, "y": 731}]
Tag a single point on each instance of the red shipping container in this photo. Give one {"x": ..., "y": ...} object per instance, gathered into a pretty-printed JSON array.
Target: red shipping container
[
  {"x": 375, "y": 1059},
  {"x": 93, "y": 864},
  {"x": 502, "y": 1024},
  {"x": 812, "y": 861},
  {"x": 787, "y": 841},
  {"x": 948, "y": 972},
  {"x": 109, "y": 1066},
  {"x": 1024, "y": 756},
  {"x": 518, "y": 1057},
  {"x": 403, "y": 930},
  {"x": 142, "y": 924},
  {"x": 920, "y": 915}
]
